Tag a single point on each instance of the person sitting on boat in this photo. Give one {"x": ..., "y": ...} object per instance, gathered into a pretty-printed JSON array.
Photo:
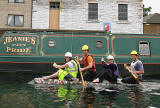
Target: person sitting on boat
[
  {"x": 110, "y": 71},
  {"x": 69, "y": 73},
  {"x": 136, "y": 68},
  {"x": 89, "y": 64}
]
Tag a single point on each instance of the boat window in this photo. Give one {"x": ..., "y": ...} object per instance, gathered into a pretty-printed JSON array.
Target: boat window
[
  {"x": 144, "y": 48},
  {"x": 99, "y": 44},
  {"x": 51, "y": 43}
]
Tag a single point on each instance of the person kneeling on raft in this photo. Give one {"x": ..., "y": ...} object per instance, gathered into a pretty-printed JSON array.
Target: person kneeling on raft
[
  {"x": 136, "y": 67},
  {"x": 110, "y": 71},
  {"x": 89, "y": 64},
  {"x": 69, "y": 73}
]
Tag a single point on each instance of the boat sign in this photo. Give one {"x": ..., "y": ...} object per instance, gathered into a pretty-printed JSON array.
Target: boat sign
[{"x": 19, "y": 45}]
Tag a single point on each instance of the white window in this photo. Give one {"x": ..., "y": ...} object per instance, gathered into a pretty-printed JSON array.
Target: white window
[
  {"x": 122, "y": 11},
  {"x": 16, "y": 1},
  {"x": 15, "y": 20}
]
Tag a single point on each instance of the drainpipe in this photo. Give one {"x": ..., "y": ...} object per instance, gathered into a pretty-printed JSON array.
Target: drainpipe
[{"x": 31, "y": 12}]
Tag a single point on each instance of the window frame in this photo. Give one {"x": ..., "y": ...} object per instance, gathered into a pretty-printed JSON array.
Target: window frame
[
  {"x": 92, "y": 12},
  {"x": 14, "y": 15},
  {"x": 57, "y": 3},
  {"x": 148, "y": 45},
  {"x": 119, "y": 17},
  {"x": 16, "y": 1}
]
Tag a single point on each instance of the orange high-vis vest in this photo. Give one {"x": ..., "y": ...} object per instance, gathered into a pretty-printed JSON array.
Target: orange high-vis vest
[{"x": 86, "y": 63}]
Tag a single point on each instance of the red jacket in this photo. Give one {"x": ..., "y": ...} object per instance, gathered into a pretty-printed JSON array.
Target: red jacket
[{"x": 86, "y": 63}]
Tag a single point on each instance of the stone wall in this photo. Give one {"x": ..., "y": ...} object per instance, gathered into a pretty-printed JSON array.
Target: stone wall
[
  {"x": 17, "y": 9},
  {"x": 40, "y": 14},
  {"x": 74, "y": 15}
]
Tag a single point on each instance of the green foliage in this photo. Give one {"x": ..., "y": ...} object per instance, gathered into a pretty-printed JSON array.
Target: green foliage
[{"x": 146, "y": 10}]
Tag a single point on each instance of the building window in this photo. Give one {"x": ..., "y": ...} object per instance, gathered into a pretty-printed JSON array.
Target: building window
[
  {"x": 123, "y": 12},
  {"x": 54, "y": 5},
  {"x": 16, "y": 1},
  {"x": 15, "y": 20},
  {"x": 144, "y": 48},
  {"x": 92, "y": 11}
]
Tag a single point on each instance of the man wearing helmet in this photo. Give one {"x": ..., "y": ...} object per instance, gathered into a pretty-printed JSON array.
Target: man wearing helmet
[
  {"x": 89, "y": 64},
  {"x": 136, "y": 67},
  {"x": 69, "y": 73},
  {"x": 110, "y": 71}
]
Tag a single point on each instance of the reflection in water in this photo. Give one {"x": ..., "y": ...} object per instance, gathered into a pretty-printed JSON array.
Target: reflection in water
[
  {"x": 111, "y": 96},
  {"x": 78, "y": 96},
  {"x": 11, "y": 98},
  {"x": 137, "y": 97},
  {"x": 88, "y": 97},
  {"x": 17, "y": 94}
]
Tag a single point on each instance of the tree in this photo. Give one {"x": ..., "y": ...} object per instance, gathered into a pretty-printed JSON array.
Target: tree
[{"x": 146, "y": 10}]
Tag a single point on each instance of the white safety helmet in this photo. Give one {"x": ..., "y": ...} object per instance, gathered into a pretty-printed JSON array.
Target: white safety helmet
[
  {"x": 110, "y": 57},
  {"x": 68, "y": 54}
]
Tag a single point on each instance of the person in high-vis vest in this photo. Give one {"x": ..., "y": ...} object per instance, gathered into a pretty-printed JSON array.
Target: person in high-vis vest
[
  {"x": 135, "y": 67},
  {"x": 89, "y": 64},
  {"x": 69, "y": 73}
]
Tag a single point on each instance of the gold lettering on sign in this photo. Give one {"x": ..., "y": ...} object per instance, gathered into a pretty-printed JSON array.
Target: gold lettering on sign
[
  {"x": 31, "y": 40},
  {"x": 18, "y": 45},
  {"x": 21, "y": 44},
  {"x": 14, "y": 50}
]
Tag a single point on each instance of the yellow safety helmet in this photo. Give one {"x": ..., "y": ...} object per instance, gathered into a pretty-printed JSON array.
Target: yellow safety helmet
[
  {"x": 134, "y": 52},
  {"x": 85, "y": 47}
]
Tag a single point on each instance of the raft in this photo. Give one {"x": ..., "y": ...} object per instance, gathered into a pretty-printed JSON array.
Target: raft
[
  {"x": 65, "y": 82},
  {"x": 53, "y": 81}
]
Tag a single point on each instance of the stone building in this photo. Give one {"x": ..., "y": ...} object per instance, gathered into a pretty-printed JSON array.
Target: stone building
[
  {"x": 15, "y": 14},
  {"x": 151, "y": 24},
  {"x": 117, "y": 16}
]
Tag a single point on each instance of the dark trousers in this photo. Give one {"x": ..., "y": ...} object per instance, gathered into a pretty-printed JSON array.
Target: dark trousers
[
  {"x": 129, "y": 80},
  {"x": 90, "y": 75},
  {"x": 68, "y": 77},
  {"x": 107, "y": 75}
]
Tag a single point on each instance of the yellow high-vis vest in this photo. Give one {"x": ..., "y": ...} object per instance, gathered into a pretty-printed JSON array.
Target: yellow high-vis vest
[{"x": 72, "y": 71}]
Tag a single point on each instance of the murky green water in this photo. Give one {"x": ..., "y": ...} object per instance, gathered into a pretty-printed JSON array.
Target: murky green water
[{"x": 15, "y": 92}]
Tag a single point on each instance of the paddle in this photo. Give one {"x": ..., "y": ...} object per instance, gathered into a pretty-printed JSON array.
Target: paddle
[
  {"x": 133, "y": 74},
  {"x": 83, "y": 82}
]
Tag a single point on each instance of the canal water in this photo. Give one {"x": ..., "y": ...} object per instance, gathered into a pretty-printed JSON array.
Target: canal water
[{"x": 17, "y": 92}]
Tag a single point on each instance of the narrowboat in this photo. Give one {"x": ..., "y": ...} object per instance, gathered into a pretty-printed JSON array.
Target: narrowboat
[{"x": 36, "y": 50}]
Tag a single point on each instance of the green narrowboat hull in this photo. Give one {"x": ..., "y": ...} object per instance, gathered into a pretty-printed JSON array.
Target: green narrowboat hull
[{"x": 35, "y": 51}]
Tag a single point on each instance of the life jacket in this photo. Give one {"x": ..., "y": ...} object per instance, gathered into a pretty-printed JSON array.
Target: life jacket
[
  {"x": 72, "y": 71},
  {"x": 86, "y": 63}
]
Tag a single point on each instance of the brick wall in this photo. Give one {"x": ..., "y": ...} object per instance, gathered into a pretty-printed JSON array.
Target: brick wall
[
  {"x": 74, "y": 15},
  {"x": 151, "y": 28},
  {"x": 17, "y": 9}
]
